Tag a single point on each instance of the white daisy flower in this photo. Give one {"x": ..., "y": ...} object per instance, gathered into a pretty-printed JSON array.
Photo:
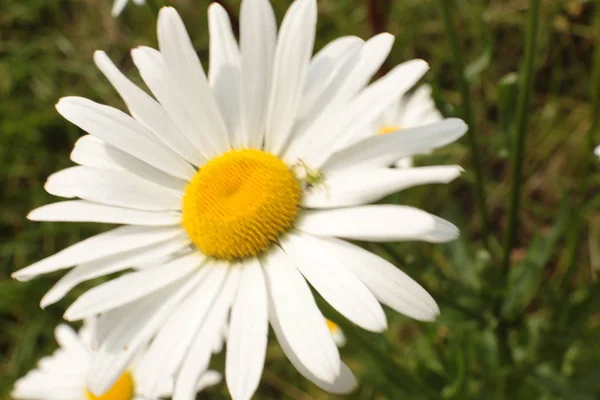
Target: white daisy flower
[
  {"x": 597, "y": 151},
  {"x": 236, "y": 191},
  {"x": 119, "y": 5},
  {"x": 62, "y": 375},
  {"x": 410, "y": 111},
  {"x": 336, "y": 332}
]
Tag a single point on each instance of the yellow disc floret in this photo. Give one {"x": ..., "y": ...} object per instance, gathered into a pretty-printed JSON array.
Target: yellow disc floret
[
  {"x": 122, "y": 389},
  {"x": 239, "y": 203},
  {"x": 384, "y": 130}
]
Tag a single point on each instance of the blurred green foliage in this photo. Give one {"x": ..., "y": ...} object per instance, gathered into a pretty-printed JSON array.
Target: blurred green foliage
[{"x": 536, "y": 338}]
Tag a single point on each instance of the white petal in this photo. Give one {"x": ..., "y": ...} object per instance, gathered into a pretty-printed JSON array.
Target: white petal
[
  {"x": 326, "y": 112},
  {"x": 363, "y": 186},
  {"x": 223, "y": 47},
  {"x": 112, "y": 264},
  {"x": 340, "y": 288},
  {"x": 90, "y": 151},
  {"x": 191, "y": 83},
  {"x": 354, "y": 121},
  {"x": 443, "y": 232},
  {"x": 381, "y": 150},
  {"x": 116, "y": 241},
  {"x": 147, "y": 110},
  {"x": 224, "y": 73},
  {"x": 343, "y": 383},
  {"x": 67, "y": 339},
  {"x": 124, "y": 335},
  {"x": 390, "y": 285},
  {"x": 322, "y": 70},
  {"x": 123, "y": 132},
  {"x": 85, "y": 211},
  {"x": 375, "y": 223},
  {"x": 372, "y": 56},
  {"x": 293, "y": 308},
  {"x": 198, "y": 356},
  {"x": 114, "y": 188},
  {"x": 418, "y": 109},
  {"x": 160, "y": 81},
  {"x": 169, "y": 347},
  {"x": 258, "y": 33},
  {"x": 209, "y": 378},
  {"x": 126, "y": 330},
  {"x": 292, "y": 56},
  {"x": 130, "y": 287},
  {"x": 248, "y": 330}
]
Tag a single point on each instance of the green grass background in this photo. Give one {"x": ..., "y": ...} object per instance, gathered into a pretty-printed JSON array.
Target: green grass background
[{"x": 536, "y": 337}]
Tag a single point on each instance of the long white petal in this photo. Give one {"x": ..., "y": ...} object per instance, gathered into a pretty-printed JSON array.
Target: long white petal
[
  {"x": 90, "y": 151},
  {"x": 292, "y": 56},
  {"x": 354, "y": 121},
  {"x": 339, "y": 287},
  {"x": 186, "y": 71},
  {"x": 123, "y": 132},
  {"x": 170, "y": 345},
  {"x": 258, "y": 32},
  {"x": 116, "y": 241},
  {"x": 113, "y": 188},
  {"x": 155, "y": 73},
  {"x": 86, "y": 211},
  {"x": 323, "y": 69},
  {"x": 131, "y": 287},
  {"x": 292, "y": 305},
  {"x": 112, "y": 264},
  {"x": 224, "y": 74},
  {"x": 125, "y": 333},
  {"x": 147, "y": 110},
  {"x": 342, "y": 384},
  {"x": 248, "y": 330},
  {"x": 390, "y": 285},
  {"x": 376, "y": 223},
  {"x": 381, "y": 150},
  {"x": 198, "y": 356},
  {"x": 363, "y": 186},
  {"x": 372, "y": 56}
]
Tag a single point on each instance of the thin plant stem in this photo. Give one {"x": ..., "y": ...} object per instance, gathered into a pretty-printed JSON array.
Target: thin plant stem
[
  {"x": 522, "y": 119},
  {"x": 459, "y": 68}
]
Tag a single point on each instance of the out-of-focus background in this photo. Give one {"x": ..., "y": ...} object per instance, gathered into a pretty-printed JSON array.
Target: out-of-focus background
[{"x": 529, "y": 332}]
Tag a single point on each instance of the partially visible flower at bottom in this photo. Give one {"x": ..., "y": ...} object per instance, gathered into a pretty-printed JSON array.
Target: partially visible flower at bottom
[
  {"x": 62, "y": 375},
  {"x": 119, "y": 5}
]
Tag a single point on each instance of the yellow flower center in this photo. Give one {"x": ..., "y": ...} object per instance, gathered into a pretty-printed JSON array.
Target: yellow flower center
[
  {"x": 121, "y": 390},
  {"x": 384, "y": 130},
  {"x": 239, "y": 203}
]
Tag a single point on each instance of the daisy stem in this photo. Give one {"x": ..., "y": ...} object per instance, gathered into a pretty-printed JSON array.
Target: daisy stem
[
  {"x": 522, "y": 119},
  {"x": 459, "y": 68}
]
